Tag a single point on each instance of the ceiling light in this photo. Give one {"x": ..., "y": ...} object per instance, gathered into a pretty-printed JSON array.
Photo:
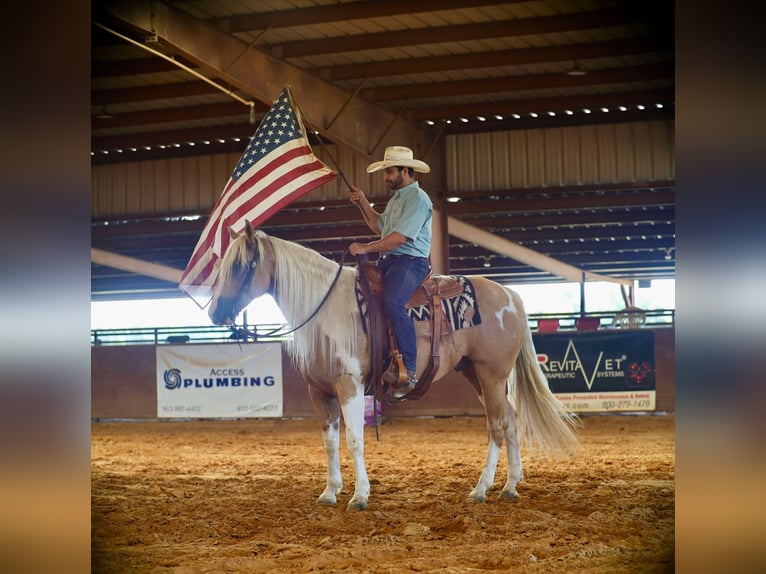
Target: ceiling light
[
  {"x": 533, "y": 114},
  {"x": 498, "y": 117},
  {"x": 640, "y": 107},
  {"x": 658, "y": 106},
  {"x": 430, "y": 122},
  {"x": 576, "y": 71},
  {"x": 569, "y": 112},
  {"x": 464, "y": 120},
  {"x": 104, "y": 114},
  {"x": 623, "y": 109},
  {"x": 604, "y": 109},
  {"x": 487, "y": 262},
  {"x": 453, "y": 199},
  {"x": 516, "y": 116},
  {"x": 586, "y": 110},
  {"x": 551, "y": 114},
  {"x": 481, "y": 118}
]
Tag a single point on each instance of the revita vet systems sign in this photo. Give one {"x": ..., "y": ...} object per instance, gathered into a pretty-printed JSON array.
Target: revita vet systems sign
[{"x": 600, "y": 372}]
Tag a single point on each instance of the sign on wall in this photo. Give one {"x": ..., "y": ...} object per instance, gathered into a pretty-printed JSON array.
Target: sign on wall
[
  {"x": 598, "y": 372},
  {"x": 201, "y": 381}
]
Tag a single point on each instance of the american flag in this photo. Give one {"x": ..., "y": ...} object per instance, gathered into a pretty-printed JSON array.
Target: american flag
[{"x": 277, "y": 168}]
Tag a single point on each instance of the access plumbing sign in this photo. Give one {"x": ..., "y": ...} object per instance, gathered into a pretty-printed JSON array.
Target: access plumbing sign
[
  {"x": 202, "y": 381},
  {"x": 597, "y": 372}
]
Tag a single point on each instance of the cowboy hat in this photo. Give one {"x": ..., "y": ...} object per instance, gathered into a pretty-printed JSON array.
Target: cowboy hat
[{"x": 397, "y": 155}]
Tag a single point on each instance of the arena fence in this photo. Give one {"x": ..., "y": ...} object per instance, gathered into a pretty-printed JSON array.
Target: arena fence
[{"x": 625, "y": 319}]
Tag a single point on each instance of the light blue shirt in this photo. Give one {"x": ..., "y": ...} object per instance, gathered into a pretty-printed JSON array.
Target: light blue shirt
[{"x": 409, "y": 212}]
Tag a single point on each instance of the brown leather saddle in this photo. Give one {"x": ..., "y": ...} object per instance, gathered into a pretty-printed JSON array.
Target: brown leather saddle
[{"x": 431, "y": 292}]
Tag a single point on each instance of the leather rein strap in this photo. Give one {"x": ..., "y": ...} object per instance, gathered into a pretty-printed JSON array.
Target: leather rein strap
[{"x": 275, "y": 333}]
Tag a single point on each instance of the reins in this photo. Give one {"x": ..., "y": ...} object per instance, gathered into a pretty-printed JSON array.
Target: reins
[{"x": 274, "y": 333}]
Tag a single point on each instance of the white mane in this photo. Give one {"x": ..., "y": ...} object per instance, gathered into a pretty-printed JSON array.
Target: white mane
[{"x": 302, "y": 278}]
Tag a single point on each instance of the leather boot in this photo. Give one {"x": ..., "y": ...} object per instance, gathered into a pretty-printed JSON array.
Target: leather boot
[{"x": 400, "y": 391}]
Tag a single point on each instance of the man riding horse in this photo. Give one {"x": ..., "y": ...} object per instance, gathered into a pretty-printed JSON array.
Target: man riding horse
[{"x": 404, "y": 229}]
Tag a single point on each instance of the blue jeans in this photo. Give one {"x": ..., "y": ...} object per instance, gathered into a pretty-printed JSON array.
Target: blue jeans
[{"x": 402, "y": 274}]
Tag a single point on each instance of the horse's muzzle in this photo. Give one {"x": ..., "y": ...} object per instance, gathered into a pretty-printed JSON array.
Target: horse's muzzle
[{"x": 223, "y": 313}]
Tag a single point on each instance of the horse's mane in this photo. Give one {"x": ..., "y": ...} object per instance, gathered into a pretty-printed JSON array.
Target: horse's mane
[{"x": 302, "y": 278}]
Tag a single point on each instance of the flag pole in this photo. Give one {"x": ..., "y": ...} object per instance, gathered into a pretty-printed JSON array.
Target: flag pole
[{"x": 321, "y": 143}]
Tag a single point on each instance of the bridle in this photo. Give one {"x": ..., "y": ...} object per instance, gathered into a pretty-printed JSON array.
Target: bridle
[{"x": 251, "y": 267}]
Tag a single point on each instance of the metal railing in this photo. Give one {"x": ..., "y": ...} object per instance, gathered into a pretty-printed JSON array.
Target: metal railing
[
  {"x": 270, "y": 332},
  {"x": 187, "y": 334},
  {"x": 623, "y": 319}
]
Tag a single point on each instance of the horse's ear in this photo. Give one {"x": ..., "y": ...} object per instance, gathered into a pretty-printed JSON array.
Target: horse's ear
[
  {"x": 249, "y": 231},
  {"x": 233, "y": 234}
]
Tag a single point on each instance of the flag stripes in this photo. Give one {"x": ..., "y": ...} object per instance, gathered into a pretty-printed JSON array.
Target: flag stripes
[{"x": 277, "y": 168}]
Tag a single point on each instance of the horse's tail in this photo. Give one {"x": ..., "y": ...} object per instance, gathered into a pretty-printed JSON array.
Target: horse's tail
[{"x": 543, "y": 420}]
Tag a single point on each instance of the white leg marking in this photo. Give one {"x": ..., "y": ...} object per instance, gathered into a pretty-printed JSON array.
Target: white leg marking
[
  {"x": 331, "y": 440},
  {"x": 479, "y": 492},
  {"x": 513, "y": 451},
  {"x": 353, "y": 415}
]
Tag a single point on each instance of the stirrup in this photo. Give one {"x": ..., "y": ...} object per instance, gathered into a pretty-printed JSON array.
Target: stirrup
[{"x": 401, "y": 391}]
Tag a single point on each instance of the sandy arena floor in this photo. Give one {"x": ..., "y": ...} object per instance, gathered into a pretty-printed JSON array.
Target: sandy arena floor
[{"x": 239, "y": 496}]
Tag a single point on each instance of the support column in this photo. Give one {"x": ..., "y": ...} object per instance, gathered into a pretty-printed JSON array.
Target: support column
[{"x": 431, "y": 149}]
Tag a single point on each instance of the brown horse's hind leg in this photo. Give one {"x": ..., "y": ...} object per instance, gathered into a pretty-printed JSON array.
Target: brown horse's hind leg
[
  {"x": 327, "y": 409},
  {"x": 501, "y": 426}
]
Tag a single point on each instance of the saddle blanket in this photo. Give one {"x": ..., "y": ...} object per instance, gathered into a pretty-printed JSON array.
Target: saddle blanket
[{"x": 462, "y": 310}]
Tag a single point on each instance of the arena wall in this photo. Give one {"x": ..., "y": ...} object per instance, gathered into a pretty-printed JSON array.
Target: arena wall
[{"x": 123, "y": 386}]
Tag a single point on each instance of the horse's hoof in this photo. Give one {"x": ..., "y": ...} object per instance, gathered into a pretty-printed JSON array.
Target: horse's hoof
[
  {"x": 477, "y": 497},
  {"x": 356, "y": 505},
  {"x": 326, "y": 501},
  {"x": 509, "y": 495}
]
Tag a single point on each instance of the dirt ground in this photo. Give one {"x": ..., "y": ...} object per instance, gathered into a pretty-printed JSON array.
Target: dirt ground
[{"x": 239, "y": 496}]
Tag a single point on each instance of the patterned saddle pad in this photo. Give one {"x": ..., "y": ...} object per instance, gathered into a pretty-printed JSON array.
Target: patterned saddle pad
[{"x": 461, "y": 311}]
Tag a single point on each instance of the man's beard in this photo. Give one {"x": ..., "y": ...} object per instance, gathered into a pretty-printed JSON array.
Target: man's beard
[{"x": 397, "y": 183}]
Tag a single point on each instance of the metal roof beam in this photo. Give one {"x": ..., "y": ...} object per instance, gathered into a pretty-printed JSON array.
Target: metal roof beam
[
  {"x": 169, "y": 115},
  {"x": 342, "y": 12},
  {"x": 570, "y": 52},
  {"x": 519, "y": 83},
  {"x": 450, "y": 34},
  {"x": 150, "y": 93},
  {"x": 363, "y": 126},
  {"x": 138, "y": 66}
]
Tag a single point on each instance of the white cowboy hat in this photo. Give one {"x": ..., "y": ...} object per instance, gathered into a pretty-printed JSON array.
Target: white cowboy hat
[{"x": 396, "y": 155}]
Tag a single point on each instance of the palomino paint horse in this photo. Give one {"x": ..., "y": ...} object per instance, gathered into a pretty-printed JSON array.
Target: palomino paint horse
[{"x": 332, "y": 354}]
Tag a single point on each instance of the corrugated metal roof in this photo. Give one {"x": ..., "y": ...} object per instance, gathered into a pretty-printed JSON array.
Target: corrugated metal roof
[{"x": 490, "y": 74}]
